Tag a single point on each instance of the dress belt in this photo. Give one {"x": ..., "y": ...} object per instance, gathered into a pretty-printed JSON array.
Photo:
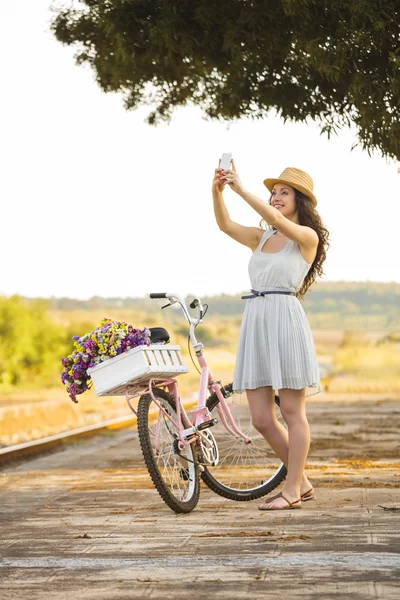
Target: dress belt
[{"x": 256, "y": 293}]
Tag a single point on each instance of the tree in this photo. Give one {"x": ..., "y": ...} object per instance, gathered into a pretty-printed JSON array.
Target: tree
[
  {"x": 31, "y": 344},
  {"x": 334, "y": 61}
]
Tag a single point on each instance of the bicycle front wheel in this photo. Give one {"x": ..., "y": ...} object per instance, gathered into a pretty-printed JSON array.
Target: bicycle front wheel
[
  {"x": 242, "y": 471},
  {"x": 174, "y": 473}
]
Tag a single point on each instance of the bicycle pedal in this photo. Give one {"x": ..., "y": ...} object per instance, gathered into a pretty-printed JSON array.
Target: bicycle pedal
[{"x": 206, "y": 424}]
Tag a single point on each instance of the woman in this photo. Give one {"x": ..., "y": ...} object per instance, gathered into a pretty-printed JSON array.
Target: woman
[{"x": 276, "y": 349}]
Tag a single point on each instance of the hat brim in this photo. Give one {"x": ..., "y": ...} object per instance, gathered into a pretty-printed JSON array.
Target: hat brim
[{"x": 269, "y": 183}]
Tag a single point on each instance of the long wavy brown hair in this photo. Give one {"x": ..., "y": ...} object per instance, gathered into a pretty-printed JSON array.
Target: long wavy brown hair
[{"x": 308, "y": 216}]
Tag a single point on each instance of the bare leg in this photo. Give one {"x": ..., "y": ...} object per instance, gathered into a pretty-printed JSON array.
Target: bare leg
[
  {"x": 294, "y": 413},
  {"x": 262, "y": 408}
]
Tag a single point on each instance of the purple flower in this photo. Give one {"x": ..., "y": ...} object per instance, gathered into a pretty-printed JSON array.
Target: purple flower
[{"x": 79, "y": 361}]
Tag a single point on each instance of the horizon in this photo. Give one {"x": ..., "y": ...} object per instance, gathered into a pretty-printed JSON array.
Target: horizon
[{"x": 191, "y": 293}]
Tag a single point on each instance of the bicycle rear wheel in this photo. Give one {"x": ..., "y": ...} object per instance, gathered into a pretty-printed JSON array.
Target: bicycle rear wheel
[
  {"x": 174, "y": 473},
  {"x": 242, "y": 471}
]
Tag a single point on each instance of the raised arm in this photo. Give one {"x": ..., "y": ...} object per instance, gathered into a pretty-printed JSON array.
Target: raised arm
[
  {"x": 248, "y": 236},
  {"x": 303, "y": 235}
]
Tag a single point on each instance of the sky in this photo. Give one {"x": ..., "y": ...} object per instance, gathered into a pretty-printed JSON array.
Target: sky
[{"x": 95, "y": 202}]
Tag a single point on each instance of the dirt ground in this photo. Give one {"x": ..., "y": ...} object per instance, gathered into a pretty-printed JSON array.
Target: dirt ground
[{"x": 85, "y": 522}]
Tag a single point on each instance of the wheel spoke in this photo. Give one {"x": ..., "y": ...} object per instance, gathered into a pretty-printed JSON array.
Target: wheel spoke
[
  {"x": 175, "y": 478},
  {"x": 241, "y": 466}
]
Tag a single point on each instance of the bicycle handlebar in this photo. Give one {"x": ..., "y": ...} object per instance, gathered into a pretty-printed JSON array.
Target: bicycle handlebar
[{"x": 177, "y": 298}]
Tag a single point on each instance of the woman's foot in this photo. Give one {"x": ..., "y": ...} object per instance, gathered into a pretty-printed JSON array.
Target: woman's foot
[
  {"x": 305, "y": 485},
  {"x": 283, "y": 502}
]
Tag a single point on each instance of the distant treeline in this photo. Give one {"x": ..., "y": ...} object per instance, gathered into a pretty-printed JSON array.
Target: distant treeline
[
  {"x": 36, "y": 332},
  {"x": 328, "y": 304}
]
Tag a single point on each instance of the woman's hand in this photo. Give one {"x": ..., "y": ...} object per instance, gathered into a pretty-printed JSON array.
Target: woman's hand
[
  {"x": 231, "y": 177},
  {"x": 217, "y": 184}
]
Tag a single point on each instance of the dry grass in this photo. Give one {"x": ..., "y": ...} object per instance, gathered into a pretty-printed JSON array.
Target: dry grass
[
  {"x": 363, "y": 364},
  {"x": 360, "y": 364},
  {"x": 25, "y": 420}
]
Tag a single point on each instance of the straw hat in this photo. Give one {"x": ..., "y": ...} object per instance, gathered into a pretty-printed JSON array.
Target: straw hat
[{"x": 296, "y": 178}]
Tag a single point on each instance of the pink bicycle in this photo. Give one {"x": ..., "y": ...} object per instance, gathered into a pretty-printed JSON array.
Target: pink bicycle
[{"x": 215, "y": 441}]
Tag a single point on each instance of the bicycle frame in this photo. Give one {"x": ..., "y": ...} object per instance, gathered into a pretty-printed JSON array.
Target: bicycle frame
[{"x": 200, "y": 415}]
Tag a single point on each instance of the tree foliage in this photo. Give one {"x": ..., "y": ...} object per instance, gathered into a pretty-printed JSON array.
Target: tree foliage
[
  {"x": 334, "y": 61},
  {"x": 31, "y": 344}
]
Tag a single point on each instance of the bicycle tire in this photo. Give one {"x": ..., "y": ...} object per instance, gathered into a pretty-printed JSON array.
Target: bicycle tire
[
  {"x": 210, "y": 476},
  {"x": 153, "y": 465}
]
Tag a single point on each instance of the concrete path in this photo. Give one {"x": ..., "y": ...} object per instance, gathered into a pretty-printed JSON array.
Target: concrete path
[{"x": 85, "y": 522}]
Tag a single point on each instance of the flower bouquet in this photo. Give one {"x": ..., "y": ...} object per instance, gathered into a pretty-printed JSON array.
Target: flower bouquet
[{"x": 110, "y": 339}]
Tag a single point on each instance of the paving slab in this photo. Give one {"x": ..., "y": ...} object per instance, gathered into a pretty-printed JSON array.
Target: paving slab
[{"x": 85, "y": 522}]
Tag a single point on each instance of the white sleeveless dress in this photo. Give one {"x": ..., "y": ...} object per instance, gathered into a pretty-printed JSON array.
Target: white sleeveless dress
[{"x": 276, "y": 347}]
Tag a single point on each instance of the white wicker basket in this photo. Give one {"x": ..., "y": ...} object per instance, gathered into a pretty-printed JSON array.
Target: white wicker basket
[{"x": 137, "y": 366}]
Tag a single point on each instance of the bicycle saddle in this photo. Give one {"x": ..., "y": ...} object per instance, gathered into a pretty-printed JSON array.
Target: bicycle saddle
[{"x": 159, "y": 334}]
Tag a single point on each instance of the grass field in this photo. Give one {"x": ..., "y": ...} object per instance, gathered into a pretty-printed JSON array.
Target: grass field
[{"x": 352, "y": 363}]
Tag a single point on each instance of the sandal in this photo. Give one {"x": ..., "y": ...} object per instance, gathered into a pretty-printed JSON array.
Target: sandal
[
  {"x": 308, "y": 495},
  {"x": 289, "y": 506}
]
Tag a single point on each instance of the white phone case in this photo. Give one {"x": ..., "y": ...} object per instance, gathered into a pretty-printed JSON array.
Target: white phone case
[{"x": 226, "y": 161}]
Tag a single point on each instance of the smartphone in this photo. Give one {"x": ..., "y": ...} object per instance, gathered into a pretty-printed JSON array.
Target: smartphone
[{"x": 226, "y": 161}]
